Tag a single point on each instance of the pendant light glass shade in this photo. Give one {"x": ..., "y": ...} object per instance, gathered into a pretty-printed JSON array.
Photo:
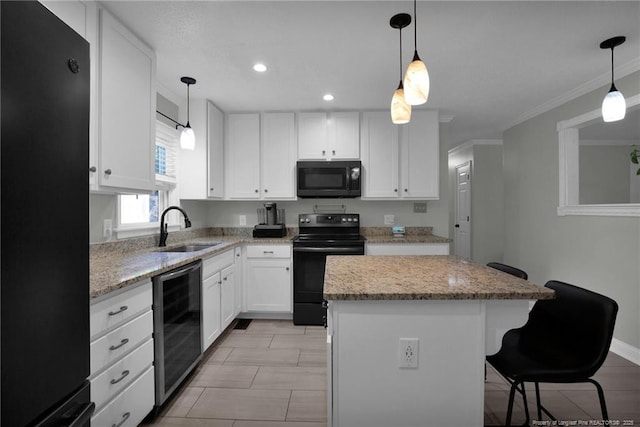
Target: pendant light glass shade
[
  {"x": 400, "y": 109},
  {"x": 416, "y": 82},
  {"x": 614, "y": 107},
  {"x": 188, "y": 138}
]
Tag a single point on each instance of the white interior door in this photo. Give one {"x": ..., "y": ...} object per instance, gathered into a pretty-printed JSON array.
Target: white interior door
[{"x": 462, "y": 230}]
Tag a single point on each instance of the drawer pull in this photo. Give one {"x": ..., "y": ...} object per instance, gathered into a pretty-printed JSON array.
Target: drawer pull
[
  {"x": 123, "y": 342},
  {"x": 123, "y": 376},
  {"x": 123, "y": 308},
  {"x": 267, "y": 252},
  {"x": 125, "y": 417}
]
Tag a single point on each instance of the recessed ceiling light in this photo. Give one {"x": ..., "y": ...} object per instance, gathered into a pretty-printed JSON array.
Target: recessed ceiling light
[
  {"x": 260, "y": 67},
  {"x": 328, "y": 97}
]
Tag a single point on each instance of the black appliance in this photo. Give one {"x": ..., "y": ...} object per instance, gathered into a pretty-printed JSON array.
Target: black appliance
[
  {"x": 177, "y": 327},
  {"x": 45, "y": 219},
  {"x": 329, "y": 178},
  {"x": 270, "y": 222},
  {"x": 320, "y": 235}
]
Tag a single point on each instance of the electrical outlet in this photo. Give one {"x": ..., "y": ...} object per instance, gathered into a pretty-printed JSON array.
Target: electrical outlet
[
  {"x": 389, "y": 219},
  {"x": 420, "y": 207},
  {"x": 107, "y": 229},
  {"x": 408, "y": 352},
  {"x": 243, "y": 219}
]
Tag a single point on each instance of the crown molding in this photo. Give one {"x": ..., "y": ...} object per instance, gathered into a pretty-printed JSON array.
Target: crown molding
[
  {"x": 474, "y": 142},
  {"x": 583, "y": 89}
]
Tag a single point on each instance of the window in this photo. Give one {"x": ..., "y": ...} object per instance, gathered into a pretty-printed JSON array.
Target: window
[{"x": 139, "y": 214}]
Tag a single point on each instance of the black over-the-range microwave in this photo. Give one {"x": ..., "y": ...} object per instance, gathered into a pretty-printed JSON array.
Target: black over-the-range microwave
[{"x": 329, "y": 178}]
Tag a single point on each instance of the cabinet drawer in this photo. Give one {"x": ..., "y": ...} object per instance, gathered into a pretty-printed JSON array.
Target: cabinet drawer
[
  {"x": 121, "y": 374},
  {"x": 216, "y": 263},
  {"x": 130, "y": 407},
  {"x": 118, "y": 309},
  {"x": 269, "y": 251},
  {"x": 120, "y": 341}
]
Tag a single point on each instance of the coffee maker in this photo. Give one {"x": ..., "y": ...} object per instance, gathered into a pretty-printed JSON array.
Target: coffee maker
[{"x": 271, "y": 222}]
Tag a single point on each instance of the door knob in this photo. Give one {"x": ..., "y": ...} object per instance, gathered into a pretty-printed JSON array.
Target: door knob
[{"x": 457, "y": 226}]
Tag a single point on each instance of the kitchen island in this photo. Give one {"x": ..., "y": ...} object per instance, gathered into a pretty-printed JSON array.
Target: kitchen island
[{"x": 407, "y": 337}]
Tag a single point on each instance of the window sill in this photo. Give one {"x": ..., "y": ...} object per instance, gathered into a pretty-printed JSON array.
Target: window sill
[
  {"x": 138, "y": 230},
  {"x": 600, "y": 210}
]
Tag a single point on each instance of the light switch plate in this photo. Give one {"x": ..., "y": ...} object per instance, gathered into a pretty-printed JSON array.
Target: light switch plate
[
  {"x": 242, "y": 219},
  {"x": 389, "y": 219},
  {"x": 420, "y": 207}
]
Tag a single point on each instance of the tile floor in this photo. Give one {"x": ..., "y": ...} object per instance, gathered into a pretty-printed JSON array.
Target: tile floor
[{"x": 273, "y": 375}]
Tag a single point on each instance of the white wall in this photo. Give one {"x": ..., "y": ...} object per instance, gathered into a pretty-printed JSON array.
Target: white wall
[{"x": 598, "y": 253}]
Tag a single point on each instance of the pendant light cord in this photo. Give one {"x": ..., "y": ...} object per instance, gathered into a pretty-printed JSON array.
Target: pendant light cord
[
  {"x": 188, "y": 104},
  {"x": 400, "y": 55},
  {"x": 415, "y": 28},
  {"x": 612, "y": 79}
]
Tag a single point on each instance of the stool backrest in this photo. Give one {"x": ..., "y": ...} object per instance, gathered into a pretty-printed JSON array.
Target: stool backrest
[{"x": 508, "y": 269}]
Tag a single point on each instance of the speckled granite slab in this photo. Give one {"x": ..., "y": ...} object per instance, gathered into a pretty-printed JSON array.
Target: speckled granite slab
[
  {"x": 436, "y": 277},
  {"x": 411, "y": 235}
]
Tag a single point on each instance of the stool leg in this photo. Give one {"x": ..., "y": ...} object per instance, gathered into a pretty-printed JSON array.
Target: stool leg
[
  {"x": 538, "y": 401},
  {"x": 603, "y": 405}
]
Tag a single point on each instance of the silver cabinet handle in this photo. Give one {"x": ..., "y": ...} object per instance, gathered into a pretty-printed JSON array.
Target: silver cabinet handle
[
  {"x": 286, "y": 268},
  {"x": 93, "y": 169},
  {"x": 211, "y": 189},
  {"x": 256, "y": 190},
  {"x": 123, "y": 376},
  {"x": 323, "y": 152},
  {"x": 125, "y": 417},
  {"x": 123, "y": 308},
  {"x": 267, "y": 252},
  {"x": 107, "y": 172},
  {"x": 333, "y": 152},
  {"x": 395, "y": 190},
  {"x": 266, "y": 191},
  {"x": 123, "y": 342},
  {"x": 405, "y": 190},
  {"x": 238, "y": 254},
  {"x": 224, "y": 278}
]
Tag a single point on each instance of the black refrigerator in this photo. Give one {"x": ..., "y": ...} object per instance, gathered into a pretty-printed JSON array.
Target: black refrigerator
[{"x": 44, "y": 226}]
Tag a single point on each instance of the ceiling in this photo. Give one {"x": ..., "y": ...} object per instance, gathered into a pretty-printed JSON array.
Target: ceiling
[{"x": 491, "y": 63}]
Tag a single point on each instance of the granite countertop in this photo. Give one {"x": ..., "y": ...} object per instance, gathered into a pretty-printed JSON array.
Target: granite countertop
[
  {"x": 111, "y": 270},
  {"x": 428, "y": 277}
]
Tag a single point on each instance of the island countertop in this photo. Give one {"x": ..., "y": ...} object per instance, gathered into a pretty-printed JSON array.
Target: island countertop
[{"x": 426, "y": 277}]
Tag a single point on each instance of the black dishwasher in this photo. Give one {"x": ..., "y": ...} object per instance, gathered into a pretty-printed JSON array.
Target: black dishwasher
[{"x": 177, "y": 325}]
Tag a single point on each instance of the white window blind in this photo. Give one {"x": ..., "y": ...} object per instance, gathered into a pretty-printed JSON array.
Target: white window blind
[{"x": 167, "y": 138}]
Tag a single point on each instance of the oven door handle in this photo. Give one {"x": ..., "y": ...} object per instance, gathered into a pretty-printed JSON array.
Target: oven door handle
[{"x": 330, "y": 250}]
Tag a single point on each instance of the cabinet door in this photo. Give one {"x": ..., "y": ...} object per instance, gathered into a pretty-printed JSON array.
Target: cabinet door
[
  {"x": 242, "y": 155},
  {"x": 344, "y": 135},
  {"x": 420, "y": 154},
  {"x": 127, "y": 108},
  {"x": 211, "y": 327},
  {"x": 237, "y": 265},
  {"x": 269, "y": 285},
  {"x": 379, "y": 155},
  {"x": 278, "y": 156},
  {"x": 312, "y": 136},
  {"x": 215, "y": 136},
  {"x": 227, "y": 296}
]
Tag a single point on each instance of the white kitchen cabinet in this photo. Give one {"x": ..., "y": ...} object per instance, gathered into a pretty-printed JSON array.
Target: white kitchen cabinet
[
  {"x": 215, "y": 294},
  {"x": 211, "y": 326},
  {"x": 278, "y": 156},
  {"x": 237, "y": 265},
  {"x": 227, "y": 296},
  {"x": 242, "y": 156},
  {"x": 121, "y": 356},
  {"x": 268, "y": 279},
  {"x": 400, "y": 162},
  {"x": 127, "y": 103},
  {"x": 202, "y": 169},
  {"x": 260, "y": 156},
  {"x": 330, "y": 136},
  {"x": 380, "y": 161},
  {"x": 407, "y": 248}
]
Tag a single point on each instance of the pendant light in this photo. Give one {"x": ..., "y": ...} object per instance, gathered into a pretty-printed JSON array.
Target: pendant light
[
  {"x": 614, "y": 106},
  {"x": 400, "y": 109},
  {"x": 188, "y": 137},
  {"x": 416, "y": 79}
]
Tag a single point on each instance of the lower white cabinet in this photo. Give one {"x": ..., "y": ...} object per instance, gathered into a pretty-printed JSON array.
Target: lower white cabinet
[
  {"x": 121, "y": 356},
  {"x": 407, "y": 248},
  {"x": 218, "y": 296},
  {"x": 268, "y": 281}
]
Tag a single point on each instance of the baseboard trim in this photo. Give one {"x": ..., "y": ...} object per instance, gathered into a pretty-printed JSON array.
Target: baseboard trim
[{"x": 625, "y": 350}]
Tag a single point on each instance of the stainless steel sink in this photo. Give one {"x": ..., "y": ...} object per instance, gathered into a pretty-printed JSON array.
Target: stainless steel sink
[{"x": 192, "y": 247}]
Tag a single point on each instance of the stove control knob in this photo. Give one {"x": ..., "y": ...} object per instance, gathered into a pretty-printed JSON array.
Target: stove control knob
[
  {"x": 344, "y": 219},
  {"x": 307, "y": 220},
  {"x": 355, "y": 219},
  {"x": 301, "y": 219},
  {"x": 350, "y": 219}
]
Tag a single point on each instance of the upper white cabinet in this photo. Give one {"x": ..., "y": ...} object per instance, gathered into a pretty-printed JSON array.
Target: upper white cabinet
[
  {"x": 242, "y": 156},
  {"x": 202, "y": 169},
  {"x": 127, "y": 103},
  {"x": 278, "y": 156},
  {"x": 328, "y": 136},
  {"x": 260, "y": 161},
  {"x": 400, "y": 161}
]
